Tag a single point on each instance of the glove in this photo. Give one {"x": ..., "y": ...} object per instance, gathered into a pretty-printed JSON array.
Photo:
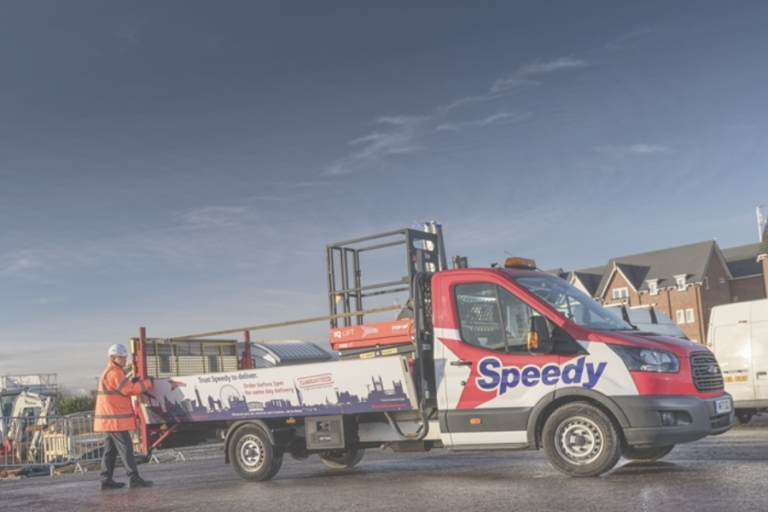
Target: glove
[{"x": 151, "y": 379}]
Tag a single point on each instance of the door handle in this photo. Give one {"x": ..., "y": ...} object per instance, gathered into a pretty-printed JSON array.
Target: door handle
[
  {"x": 461, "y": 363},
  {"x": 759, "y": 374}
]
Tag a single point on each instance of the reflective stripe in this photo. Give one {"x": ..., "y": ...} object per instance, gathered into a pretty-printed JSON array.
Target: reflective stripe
[
  {"x": 113, "y": 416},
  {"x": 112, "y": 393},
  {"x": 103, "y": 380},
  {"x": 123, "y": 384}
]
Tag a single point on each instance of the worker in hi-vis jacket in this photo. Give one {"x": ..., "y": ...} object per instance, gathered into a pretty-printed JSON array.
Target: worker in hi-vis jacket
[{"x": 115, "y": 417}]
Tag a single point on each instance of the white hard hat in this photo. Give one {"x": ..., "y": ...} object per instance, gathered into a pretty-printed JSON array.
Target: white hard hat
[{"x": 118, "y": 350}]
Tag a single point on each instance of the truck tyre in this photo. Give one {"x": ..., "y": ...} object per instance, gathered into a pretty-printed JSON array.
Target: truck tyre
[
  {"x": 580, "y": 440},
  {"x": 252, "y": 454},
  {"x": 341, "y": 459},
  {"x": 645, "y": 454},
  {"x": 744, "y": 416}
]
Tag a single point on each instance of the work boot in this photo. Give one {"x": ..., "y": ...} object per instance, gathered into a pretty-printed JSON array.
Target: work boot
[
  {"x": 111, "y": 484},
  {"x": 139, "y": 482}
]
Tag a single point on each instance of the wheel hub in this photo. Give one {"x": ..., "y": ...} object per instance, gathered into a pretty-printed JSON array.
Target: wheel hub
[
  {"x": 579, "y": 440},
  {"x": 251, "y": 453}
]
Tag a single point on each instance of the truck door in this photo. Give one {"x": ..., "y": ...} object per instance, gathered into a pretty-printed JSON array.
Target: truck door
[
  {"x": 759, "y": 337},
  {"x": 488, "y": 382}
]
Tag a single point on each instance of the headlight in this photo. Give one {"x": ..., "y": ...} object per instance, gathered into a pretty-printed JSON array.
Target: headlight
[{"x": 640, "y": 359}]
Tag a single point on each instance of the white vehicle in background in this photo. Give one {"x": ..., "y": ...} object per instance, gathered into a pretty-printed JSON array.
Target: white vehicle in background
[
  {"x": 647, "y": 319},
  {"x": 738, "y": 335}
]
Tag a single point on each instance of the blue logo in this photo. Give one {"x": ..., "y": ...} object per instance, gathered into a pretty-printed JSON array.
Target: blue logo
[{"x": 495, "y": 377}]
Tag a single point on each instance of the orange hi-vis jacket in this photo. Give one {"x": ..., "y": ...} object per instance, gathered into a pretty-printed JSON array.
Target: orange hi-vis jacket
[{"x": 114, "y": 410}]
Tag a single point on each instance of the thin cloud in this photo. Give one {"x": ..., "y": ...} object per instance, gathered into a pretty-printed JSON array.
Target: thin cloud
[
  {"x": 501, "y": 117},
  {"x": 374, "y": 147},
  {"x": 404, "y": 131},
  {"x": 20, "y": 262},
  {"x": 213, "y": 217},
  {"x": 637, "y": 149},
  {"x": 647, "y": 148},
  {"x": 45, "y": 301},
  {"x": 520, "y": 79},
  {"x": 540, "y": 68},
  {"x": 639, "y": 34}
]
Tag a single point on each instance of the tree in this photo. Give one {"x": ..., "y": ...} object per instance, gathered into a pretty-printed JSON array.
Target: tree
[{"x": 76, "y": 404}]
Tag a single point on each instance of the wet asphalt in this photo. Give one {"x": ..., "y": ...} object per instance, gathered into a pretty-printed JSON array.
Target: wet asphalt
[{"x": 723, "y": 473}]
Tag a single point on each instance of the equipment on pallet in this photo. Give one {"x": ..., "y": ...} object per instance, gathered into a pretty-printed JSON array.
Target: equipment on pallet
[{"x": 21, "y": 432}]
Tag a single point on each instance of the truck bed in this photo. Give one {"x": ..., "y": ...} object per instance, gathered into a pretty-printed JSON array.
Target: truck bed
[{"x": 334, "y": 387}]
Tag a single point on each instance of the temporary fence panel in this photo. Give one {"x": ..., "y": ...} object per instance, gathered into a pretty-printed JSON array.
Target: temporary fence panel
[
  {"x": 53, "y": 441},
  {"x": 21, "y": 440}
]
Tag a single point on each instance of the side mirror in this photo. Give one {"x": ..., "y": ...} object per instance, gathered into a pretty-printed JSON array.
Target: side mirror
[{"x": 539, "y": 336}]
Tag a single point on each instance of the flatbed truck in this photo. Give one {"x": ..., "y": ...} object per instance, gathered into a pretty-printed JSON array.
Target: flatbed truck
[{"x": 480, "y": 359}]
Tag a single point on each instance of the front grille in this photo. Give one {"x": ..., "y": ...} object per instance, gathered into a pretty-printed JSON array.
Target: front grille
[{"x": 706, "y": 373}]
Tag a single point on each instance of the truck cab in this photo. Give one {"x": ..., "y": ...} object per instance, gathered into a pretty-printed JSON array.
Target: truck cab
[{"x": 593, "y": 389}]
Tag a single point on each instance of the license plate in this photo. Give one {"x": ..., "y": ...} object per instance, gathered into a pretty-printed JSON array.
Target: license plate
[
  {"x": 722, "y": 406},
  {"x": 737, "y": 378}
]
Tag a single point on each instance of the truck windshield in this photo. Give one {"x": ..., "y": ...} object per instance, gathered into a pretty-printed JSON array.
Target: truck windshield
[{"x": 573, "y": 304}]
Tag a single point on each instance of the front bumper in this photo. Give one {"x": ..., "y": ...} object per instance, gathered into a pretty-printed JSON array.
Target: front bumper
[{"x": 693, "y": 419}]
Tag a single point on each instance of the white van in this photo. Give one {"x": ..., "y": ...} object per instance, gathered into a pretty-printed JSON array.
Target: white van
[{"x": 738, "y": 335}]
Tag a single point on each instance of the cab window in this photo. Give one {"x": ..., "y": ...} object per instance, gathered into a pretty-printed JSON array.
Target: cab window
[{"x": 492, "y": 318}]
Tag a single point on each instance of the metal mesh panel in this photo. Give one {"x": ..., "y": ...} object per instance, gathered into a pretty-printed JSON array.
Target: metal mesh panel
[
  {"x": 479, "y": 314},
  {"x": 190, "y": 357}
]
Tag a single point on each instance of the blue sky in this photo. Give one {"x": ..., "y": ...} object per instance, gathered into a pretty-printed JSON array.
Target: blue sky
[{"x": 182, "y": 165}]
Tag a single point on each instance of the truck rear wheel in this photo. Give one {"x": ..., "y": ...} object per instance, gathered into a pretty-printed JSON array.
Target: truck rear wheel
[
  {"x": 645, "y": 454},
  {"x": 341, "y": 459},
  {"x": 252, "y": 454},
  {"x": 581, "y": 440}
]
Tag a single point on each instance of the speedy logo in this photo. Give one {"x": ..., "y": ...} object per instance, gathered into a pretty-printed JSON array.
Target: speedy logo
[{"x": 495, "y": 377}]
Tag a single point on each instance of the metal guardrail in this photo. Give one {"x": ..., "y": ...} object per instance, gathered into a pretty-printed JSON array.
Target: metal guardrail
[{"x": 52, "y": 442}]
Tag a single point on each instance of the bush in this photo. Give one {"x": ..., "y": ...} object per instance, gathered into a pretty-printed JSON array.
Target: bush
[{"x": 76, "y": 404}]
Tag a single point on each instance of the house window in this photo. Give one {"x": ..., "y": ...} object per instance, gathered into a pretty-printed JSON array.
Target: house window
[
  {"x": 680, "y": 283},
  {"x": 620, "y": 293},
  {"x": 680, "y": 316},
  {"x": 689, "y": 315},
  {"x": 653, "y": 288}
]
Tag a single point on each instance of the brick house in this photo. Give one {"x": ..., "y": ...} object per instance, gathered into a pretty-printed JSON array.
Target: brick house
[{"x": 684, "y": 282}]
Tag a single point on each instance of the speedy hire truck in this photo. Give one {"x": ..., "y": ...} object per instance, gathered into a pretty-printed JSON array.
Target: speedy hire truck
[{"x": 500, "y": 358}]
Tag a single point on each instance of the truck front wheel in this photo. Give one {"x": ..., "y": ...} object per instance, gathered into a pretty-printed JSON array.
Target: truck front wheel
[
  {"x": 744, "y": 416},
  {"x": 580, "y": 440},
  {"x": 252, "y": 454},
  {"x": 645, "y": 454},
  {"x": 341, "y": 459}
]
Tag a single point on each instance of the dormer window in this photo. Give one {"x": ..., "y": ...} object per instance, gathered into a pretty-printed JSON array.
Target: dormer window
[
  {"x": 653, "y": 287},
  {"x": 620, "y": 294},
  {"x": 680, "y": 280}
]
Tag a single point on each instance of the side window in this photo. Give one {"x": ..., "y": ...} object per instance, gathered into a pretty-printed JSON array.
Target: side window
[
  {"x": 517, "y": 318},
  {"x": 479, "y": 315},
  {"x": 492, "y": 318}
]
